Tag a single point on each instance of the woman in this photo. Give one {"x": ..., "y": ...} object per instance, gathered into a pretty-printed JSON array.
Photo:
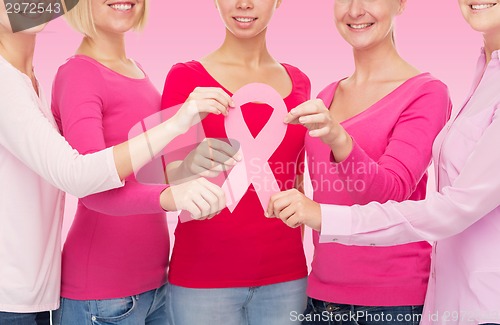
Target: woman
[
  {"x": 237, "y": 268},
  {"x": 36, "y": 163},
  {"x": 114, "y": 268},
  {"x": 370, "y": 139},
  {"x": 463, "y": 217}
]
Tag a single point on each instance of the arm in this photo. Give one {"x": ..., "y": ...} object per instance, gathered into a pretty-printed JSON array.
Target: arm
[
  {"x": 29, "y": 136},
  {"x": 473, "y": 195},
  {"x": 408, "y": 153},
  {"x": 201, "y": 156},
  {"x": 395, "y": 175},
  {"x": 80, "y": 94}
]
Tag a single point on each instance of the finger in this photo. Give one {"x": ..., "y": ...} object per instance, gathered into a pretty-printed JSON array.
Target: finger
[
  {"x": 193, "y": 210},
  {"x": 319, "y": 118},
  {"x": 319, "y": 132},
  {"x": 287, "y": 212},
  {"x": 222, "y": 97},
  {"x": 202, "y": 204},
  {"x": 294, "y": 221},
  {"x": 217, "y": 191},
  {"x": 307, "y": 108},
  {"x": 214, "y": 105},
  {"x": 273, "y": 201},
  {"x": 281, "y": 204},
  {"x": 212, "y": 201},
  {"x": 223, "y": 147}
]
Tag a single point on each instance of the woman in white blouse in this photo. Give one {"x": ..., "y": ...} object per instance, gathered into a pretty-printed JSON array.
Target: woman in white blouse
[
  {"x": 463, "y": 217},
  {"x": 36, "y": 162}
]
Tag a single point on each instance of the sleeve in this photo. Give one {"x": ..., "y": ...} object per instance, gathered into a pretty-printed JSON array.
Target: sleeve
[
  {"x": 178, "y": 86},
  {"x": 81, "y": 111},
  {"x": 395, "y": 175},
  {"x": 28, "y": 135},
  {"x": 473, "y": 194}
]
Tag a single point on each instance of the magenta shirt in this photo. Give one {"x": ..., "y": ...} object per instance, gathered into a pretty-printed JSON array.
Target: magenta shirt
[
  {"x": 118, "y": 244},
  {"x": 392, "y": 151}
]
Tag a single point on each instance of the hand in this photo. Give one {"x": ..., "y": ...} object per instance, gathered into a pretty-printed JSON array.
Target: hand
[
  {"x": 210, "y": 158},
  {"x": 201, "y": 101},
  {"x": 295, "y": 209},
  {"x": 315, "y": 116},
  {"x": 199, "y": 197}
]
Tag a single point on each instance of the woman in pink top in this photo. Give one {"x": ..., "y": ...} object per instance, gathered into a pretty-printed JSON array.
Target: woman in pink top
[
  {"x": 384, "y": 119},
  {"x": 36, "y": 162},
  {"x": 463, "y": 217},
  {"x": 115, "y": 257}
]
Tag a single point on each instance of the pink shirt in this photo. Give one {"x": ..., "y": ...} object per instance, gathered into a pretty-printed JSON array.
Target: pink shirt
[
  {"x": 463, "y": 217},
  {"x": 118, "y": 243},
  {"x": 392, "y": 151},
  {"x": 35, "y": 161}
]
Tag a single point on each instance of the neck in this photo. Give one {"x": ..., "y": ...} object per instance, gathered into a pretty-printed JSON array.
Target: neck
[
  {"x": 104, "y": 47},
  {"x": 491, "y": 44},
  {"x": 18, "y": 50},
  {"x": 372, "y": 63},
  {"x": 251, "y": 52}
]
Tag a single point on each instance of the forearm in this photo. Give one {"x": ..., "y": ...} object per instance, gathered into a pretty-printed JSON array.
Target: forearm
[{"x": 132, "y": 155}]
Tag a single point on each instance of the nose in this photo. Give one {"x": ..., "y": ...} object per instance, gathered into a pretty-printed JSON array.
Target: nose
[
  {"x": 244, "y": 4},
  {"x": 356, "y": 9}
]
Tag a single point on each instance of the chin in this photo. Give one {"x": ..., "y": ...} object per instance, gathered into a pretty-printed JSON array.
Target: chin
[{"x": 34, "y": 30}]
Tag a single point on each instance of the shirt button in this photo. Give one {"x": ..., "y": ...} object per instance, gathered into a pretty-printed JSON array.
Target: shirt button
[
  {"x": 372, "y": 244},
  {"x": 94, "y": 318},
  {"x": 335, "y": 239}
]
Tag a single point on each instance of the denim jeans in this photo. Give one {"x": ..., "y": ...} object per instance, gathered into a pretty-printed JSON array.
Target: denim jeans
[
  {"x": 325, "y": 313},
  {"x": 148, "y": 308},
  {"x": 265, "y": 305},
  {"x": 41, "y": 318}
]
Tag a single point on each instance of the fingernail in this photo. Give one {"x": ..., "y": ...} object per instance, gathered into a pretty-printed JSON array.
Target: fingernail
[
  {"x": 302, "y": 119},
  {"x": 232, "y": 104},
  {"x": 266, "y": 214}
]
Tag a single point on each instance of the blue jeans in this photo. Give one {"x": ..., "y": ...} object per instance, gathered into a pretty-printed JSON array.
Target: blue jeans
[
  {"x": 325, "y": 313},
  {"x": 42, "y": 318},
  {"x": 265, "y": 305},
  {"x": 148, "y": 308}
]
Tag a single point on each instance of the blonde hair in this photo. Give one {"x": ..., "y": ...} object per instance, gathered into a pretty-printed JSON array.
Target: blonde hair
[{"x": 80, "y": 17}]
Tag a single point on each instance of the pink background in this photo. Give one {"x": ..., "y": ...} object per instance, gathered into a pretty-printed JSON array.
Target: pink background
[{"x": 430, "y": 34}]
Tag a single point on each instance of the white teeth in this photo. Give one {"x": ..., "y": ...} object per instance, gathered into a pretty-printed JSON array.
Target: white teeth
[
  {"x": 482, "y": 6},
  {"x": 360, "y": 26},
  {"x": 244, "y": 20},
  {"x": 122, "y": 6}
]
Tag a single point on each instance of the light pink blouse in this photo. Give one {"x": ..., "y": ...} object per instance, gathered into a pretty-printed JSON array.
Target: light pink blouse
[{"x": 35, "y": 161}]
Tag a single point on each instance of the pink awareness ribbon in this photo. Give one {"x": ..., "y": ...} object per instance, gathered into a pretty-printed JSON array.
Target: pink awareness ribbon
[{"x": 255, "y": 151}]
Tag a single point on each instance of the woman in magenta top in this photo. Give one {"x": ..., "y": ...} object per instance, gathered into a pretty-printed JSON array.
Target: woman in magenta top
[
  {"x": 116, "y": 254},
  {"x": 463, "y": 218},
  {"x": 385, "y": 117},
  {"x": 239, "y": 268}
]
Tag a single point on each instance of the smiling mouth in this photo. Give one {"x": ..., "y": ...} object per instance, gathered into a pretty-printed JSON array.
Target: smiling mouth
[
  {"x": 359, "y": 26},
  {"x": 482, "y": 6},
  {"x": 244, "y": 19},
  {"x": 122, "y": 6}
]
